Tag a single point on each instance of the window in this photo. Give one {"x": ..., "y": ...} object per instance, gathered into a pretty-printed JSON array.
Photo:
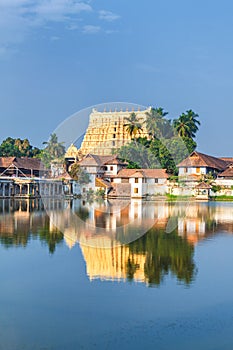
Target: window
[
  {"x": 115, "y": 123},
  {"x": 113, "y": 143},
  {"x": 114, "y": 129},
  {"x": 135, "y": 190},
  {"x": 156, "y": 181},
  {"x": 111, "y": 168},
  {"x": 198, "y": 170},
  {"x": 84, "y": 190},
  {"x": 136, "y": 180},
  {"x": 114, "y": 136}
]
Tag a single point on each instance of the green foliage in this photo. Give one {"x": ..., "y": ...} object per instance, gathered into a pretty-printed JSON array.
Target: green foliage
[
  {"x": 187, "y": 124},
  {"x": 164, "y": 253},
  {"x": 168, "y": 143},
  {"x": 23, "y": 235},
  {"x": 100, "y": 192},
  {"x": 137, "y": 155},
  {"x": 79, "y": 174},
  {"x": 133, "y": 125},
  {"x": 216, "y": 188},
  {"x": 223, "y": 198},
  {"x": 54, "y": 150},
  {"x": 18, "y": 148},
  {"x": 83, "y": 213}
]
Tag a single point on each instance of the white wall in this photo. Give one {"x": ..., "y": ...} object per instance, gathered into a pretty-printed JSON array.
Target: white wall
[{"x": 192, "y": 170}]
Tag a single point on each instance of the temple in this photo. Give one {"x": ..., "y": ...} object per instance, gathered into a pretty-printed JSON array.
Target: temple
[{"x": 106, "y": 131}]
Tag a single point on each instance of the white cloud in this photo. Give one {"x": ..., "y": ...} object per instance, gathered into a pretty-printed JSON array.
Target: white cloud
[
  {"x": 108, "y": 16},
  {"x": 59, "y": 10},
  {"x": 90, "y": 29},
  {"x": 18, "y": 18}
]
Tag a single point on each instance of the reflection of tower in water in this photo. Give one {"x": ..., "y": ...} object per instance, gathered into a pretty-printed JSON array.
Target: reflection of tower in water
[{"x": 112, "y": 263}]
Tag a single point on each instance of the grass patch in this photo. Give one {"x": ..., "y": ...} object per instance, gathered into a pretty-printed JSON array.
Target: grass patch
[
  {"x": 171, "y": 197},
  {"x": 222, "y": 198}
]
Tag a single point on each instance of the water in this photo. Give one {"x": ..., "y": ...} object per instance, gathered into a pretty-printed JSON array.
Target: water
[{"x": 161, "y": 291}]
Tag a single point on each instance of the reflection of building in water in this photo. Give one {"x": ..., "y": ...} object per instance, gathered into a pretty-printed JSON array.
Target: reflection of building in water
[
  {"x": 193, "y": 229},
  {"x": 113, "y": 263},
  {"x": 20, "y": 216}
]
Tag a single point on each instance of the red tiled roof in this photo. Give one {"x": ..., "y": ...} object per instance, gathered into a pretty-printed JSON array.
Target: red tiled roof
[
  {"x": 197, "y": 159},
  {"x": 95, "y": 160},
  {"x": 22, "y": 163},
  {"x": 227, "y": 173},
  {"x": 5, "y": 162},
  {"x": 203, "y": 185},
  {"x": 64, "y": 175},
  {"x": 149, "y": 173},
  {"x": 115, "y": 160},
  {"x": 102, "y": 183},
  {"x": 228, "y": 160}
]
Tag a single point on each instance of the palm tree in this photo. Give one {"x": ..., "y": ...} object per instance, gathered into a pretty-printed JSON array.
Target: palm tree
[
  {"x": 133, "y": 127},
  {"x": 156, "y": 125},
  {"x": 193, "y": 118},
  {"x": 54, "y": 148},
  {"x": 187, "y": 124}
]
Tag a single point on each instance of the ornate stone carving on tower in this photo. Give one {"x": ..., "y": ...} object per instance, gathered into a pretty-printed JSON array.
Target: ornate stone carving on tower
[{"x": 106, "y": 131}]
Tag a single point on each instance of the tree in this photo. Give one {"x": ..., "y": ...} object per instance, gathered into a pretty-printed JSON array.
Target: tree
[
  {"x": 18, "y": 148},
  {"x": 163, "y": 254},
  {"x": 133, "y": 127},
  {"x": 54, "y": 150},
  {"x": 139, "y": 156},
  {"x": 156, "y": 124},
  {"x": 187, "y": 124},
  {"x": 78, "y": 174}
]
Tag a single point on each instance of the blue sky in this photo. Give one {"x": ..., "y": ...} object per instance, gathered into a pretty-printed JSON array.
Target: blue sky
[{"x": 59, "y": 56}]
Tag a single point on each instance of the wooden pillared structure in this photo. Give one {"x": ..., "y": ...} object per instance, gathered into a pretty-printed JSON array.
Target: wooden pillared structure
[{"x": 22, "y": 167}]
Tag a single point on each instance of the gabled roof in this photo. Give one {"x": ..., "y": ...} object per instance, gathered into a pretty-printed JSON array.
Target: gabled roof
[
  {"x": 197, "y": 159},
  {"x": 5, "y": 162},
  {"x": 138, "y": 173},
  {"x": 21, "y": 163},
  {"x": 64, "y": 175},
  {"x": 148, "y": 173},
  {"x": 96, "y": 160},
  {"x": 203, "y": 185},
  {"x": 228, "y": 160},
  {"x": 115, "y": 161},
  {"x": 227, "y": 173},
  {"x": 102, "y": 183}
]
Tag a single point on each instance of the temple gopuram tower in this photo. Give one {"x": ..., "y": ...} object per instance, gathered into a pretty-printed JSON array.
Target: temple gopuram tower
[{"x": 106, "y": 131}]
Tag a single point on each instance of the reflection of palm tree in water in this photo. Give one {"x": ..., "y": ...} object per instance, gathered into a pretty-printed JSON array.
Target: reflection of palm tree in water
[{"x": 164, "y": 253}]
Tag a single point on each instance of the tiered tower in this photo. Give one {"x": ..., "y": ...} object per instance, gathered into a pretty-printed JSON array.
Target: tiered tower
[{"x": 106, "y": 131}]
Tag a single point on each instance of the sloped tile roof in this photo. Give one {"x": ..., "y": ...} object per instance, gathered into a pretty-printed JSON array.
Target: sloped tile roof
[
  {"x": 95, "y": 160},
  {"x": 5, "y": 162},
  {"x": 203, "y": 185},
  {"x": 197, "y": 159},
  {"x": 22, "y": 163},
  {"x": 102, "y": 183},
  {"x": 148, "y": 173},
  {"x": 228, "y": 160},
  {"x": 227, "y": 173},
  {"x": 64, "y": 175}
]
